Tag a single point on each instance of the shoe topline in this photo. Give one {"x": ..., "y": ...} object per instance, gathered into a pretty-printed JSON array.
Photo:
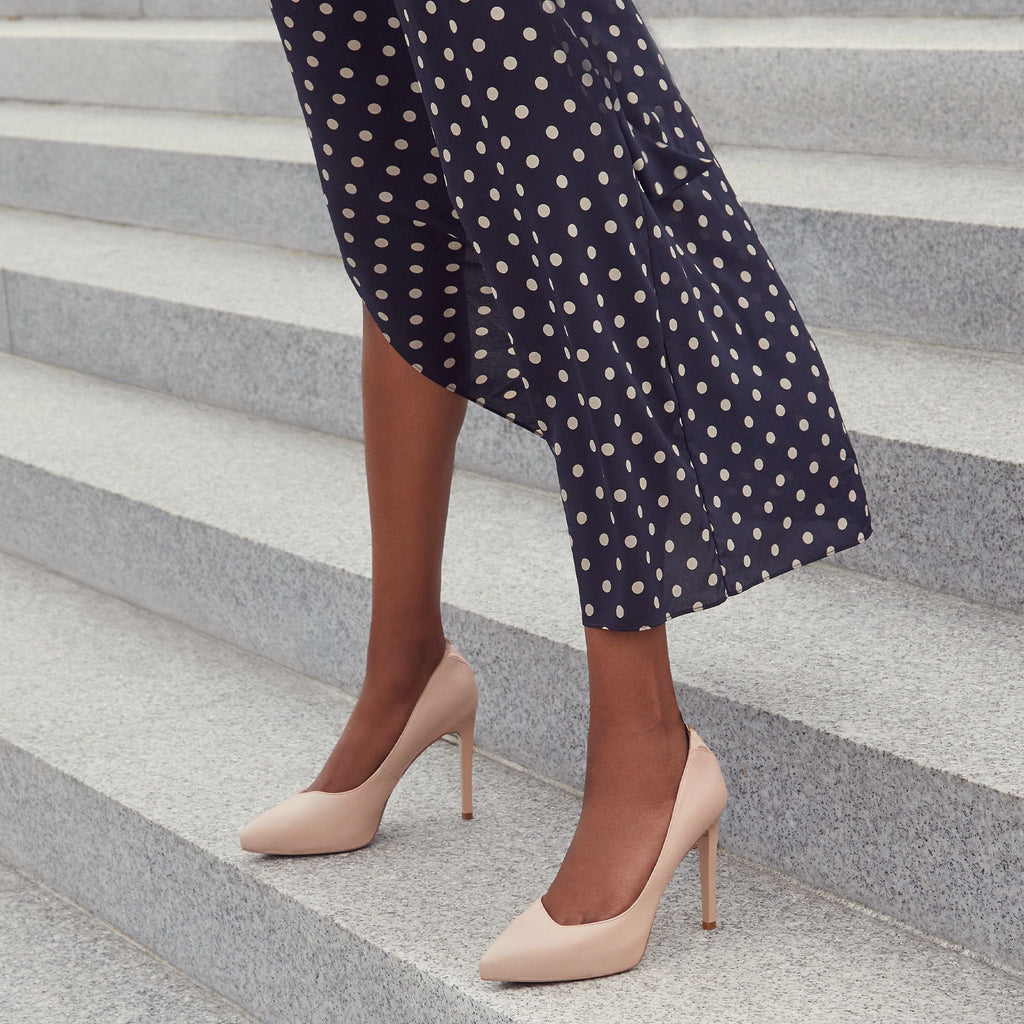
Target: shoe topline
[{"x": 315, "y": 821}]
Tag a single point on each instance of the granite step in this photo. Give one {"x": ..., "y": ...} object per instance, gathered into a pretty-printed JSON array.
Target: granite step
[
  {"x": 147, "y": 8},
  {"x": 940, "y": 88},
  {"x": 791, "y": 8},
  {"x": 130, "y": 800},
  {"x": 225, "y": 66},
  {"x": 278, "y": 334},
  {"x": 62, "y": 963},
  {"x": 649, "y": 8},
  {"x": 866, "y": 243},
  {"x": 945, "y": 88},
  {"x": 886, "y": 694}
]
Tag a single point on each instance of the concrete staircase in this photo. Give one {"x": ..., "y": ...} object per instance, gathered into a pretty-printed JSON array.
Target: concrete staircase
[{"x": 185, "y": 576}]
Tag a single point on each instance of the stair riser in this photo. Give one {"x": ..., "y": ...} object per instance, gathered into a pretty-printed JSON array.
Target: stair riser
[
  {"x": 314, "y": 618},
  {"x": 240, "y": 77},
  {"x": 943, "y": 104},
  {"x": 5, "y": 327},
  {"x": 284, "y": 371},
  {"x": 887, "y": 102},
  {"x": 928, "y": 280},
  {"x": 930, "y": 527},
  {"x": 242, "y": 938},
  {"x": 270, "y": 202},
  {"x": 134, "y": 8},
  {"x": 766, "y": 8},
  {"x": 945, "y": 520},
  {"x": 933, "y": 281}
]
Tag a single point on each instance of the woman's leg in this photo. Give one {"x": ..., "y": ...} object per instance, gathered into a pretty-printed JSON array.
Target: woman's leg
[
  {"x": 637, "y": 745},
  {"x": 410, "y": 427}
]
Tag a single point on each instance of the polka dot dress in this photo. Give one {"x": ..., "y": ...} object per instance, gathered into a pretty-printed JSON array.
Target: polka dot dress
[{"x": 535, "y": 221}]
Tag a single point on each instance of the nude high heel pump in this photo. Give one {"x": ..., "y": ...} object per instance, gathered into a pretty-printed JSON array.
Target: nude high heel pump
[
  {"x": 314, "y": 821},
  {"x": 536, "y": 948}
]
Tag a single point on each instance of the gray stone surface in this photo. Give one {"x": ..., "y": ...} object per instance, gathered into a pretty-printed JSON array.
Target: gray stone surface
[
  {"x": 229, "y": 67},
  {"x": 62, "y": 963},
  {"x": 209, "y": 174},
  {"x": 73, "y": 8},
  {"x": 134, "y": 8},
  {"x": 238, "y": 8},
  {"x": 5, "y": 325},
  {"x": 939, "y": 436},
  {"x": 869, "y": 687},
  {"x": 889, "y": 244},
  {"x": 168, "y": 742},
  {"x": 946, "y": 88},
  {"x": 255, "y": 8},
  {"x": 267, "y": 331},
  {"x": 277, "y": 333},
  {"x": 260, "y": 330},
  {"x": 870, "y": 8},
  {"x": 918, "y": 87},
  {"x": 867, "y": 243}
]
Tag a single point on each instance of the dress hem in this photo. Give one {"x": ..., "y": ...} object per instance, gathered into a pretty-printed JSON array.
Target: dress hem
[{"x": 722, "y": 594}]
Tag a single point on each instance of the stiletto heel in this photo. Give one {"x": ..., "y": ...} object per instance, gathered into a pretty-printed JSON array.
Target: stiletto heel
[
  {"x": 707, "y": 850},
  {"x": 315, "y": 821},
  {"x": 534, "y": 947},
  {"x": 465, "y": 732}
]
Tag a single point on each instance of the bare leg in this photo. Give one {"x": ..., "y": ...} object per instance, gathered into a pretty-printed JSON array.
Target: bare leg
[
  {"x": 410, "y": 426},
  {"x": 637, "y": 745}
]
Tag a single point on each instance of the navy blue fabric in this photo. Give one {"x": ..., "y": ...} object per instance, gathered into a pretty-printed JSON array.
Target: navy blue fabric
[{"x": 534, "y": 219}]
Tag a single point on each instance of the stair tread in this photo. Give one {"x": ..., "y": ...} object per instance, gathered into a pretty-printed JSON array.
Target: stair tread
[
  {"x": 236, "y": 277},
  {"x": 894, "y": 186},
  {"x": 825, "y": 31},
  {"x": 910, "y": 671},
  {"x": 150, "y": 711},
  {"x": 959, "y": 400},
  {"x": 191, "y": 737},
  {"x": 67, "y": 27},
  {"x": 255, "y": 138},
  {"x": 962, "y": 400},
  {"x": 63, "y": 963},
  {"x": 838, "y": 32}
]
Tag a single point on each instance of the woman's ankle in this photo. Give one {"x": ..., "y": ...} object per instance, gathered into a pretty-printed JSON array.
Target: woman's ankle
[
  {"x": 640, "y": 758},
  {"x": 399, "y": 663}
]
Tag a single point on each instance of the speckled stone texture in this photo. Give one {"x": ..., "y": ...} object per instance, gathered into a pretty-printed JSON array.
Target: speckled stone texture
[
  {"x": 871, "y": 243},
  {"x": 5, "y": 326},
  {"x": 890, "y": 244},
  {"x": 202, "y": 173},
  {"x": 168, "y": 742},
  {"x": 203, "y": 319},
  {"x": 890, "y": 86},
  {"x": 141, "y": 494},
  {"x": 798, "y": 8},
  {"x": 967, "y": 499},
  {"x": 135, "y": 8},
  {"x": 64, "y": 964},
  {"x": 235, "y": 66},
  {"x": 883, "y": 85},
  {"x": 732, "y": 8},
  {"x": 864, "y": 724},
  {"x": 208, "y": 319},
  {"x": 940, "y": 441},
  {"x": 219, "y": 8}
]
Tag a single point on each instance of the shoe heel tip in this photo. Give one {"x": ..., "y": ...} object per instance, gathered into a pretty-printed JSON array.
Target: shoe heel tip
[
  {"x": 467, "y": 815},
  {"x": 709, "y": 925}
]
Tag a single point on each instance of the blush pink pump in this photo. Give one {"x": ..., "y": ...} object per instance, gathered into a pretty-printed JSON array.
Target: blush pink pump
[
  {"x": 313, "y": 821},
  {"x": 534, "y": 947}
]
